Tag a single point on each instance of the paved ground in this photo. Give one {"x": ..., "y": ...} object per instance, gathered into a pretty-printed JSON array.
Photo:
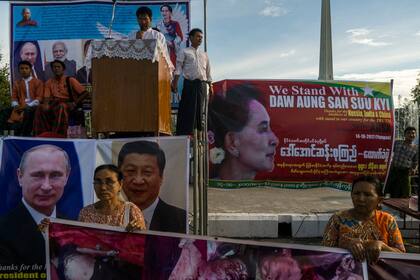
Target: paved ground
[
  {"x": 277, "y": 201},
  {"x": 262, "y": 212}
]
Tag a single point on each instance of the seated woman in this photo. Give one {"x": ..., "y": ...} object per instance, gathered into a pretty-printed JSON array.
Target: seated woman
[
  {"x": 364, "y": 230},
  {"x": 110, "y": 209}
]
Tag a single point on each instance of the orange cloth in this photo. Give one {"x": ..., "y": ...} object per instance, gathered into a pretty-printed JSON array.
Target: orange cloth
[
  {"x": 36, "y": 89},
  {"x": 58, "y": 89},
  {"x": 382, "y": 226}
]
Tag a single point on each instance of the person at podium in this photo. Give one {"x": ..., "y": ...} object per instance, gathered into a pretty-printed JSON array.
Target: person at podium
[{"x": 144, "y": 18}]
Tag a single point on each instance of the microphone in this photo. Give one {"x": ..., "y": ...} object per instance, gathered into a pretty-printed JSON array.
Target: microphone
[{"x": 112, "y": 20}]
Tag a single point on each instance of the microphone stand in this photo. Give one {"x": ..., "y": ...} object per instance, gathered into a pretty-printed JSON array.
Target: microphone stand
[{"x": 112, "y": 20}]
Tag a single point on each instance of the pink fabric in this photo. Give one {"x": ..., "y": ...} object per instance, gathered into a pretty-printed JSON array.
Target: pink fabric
[{"x": 130, "y": 246}]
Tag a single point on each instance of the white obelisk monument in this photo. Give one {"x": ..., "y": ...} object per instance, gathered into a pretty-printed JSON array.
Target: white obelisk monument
[{"x": 325, "y": 52}]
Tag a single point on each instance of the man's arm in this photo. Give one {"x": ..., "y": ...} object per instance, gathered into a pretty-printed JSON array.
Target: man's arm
[
  {"x": 81, "y": 97},
  {"x": 174, "y": 84},
  {"x": 208, "y": 74},
  {"x": 414, "y": 163},
  {"x": 39, "y": 91},
  {"x": 36, "y": 87},
  {"x": 178, "y": 70},
  {"x": 15, "y": 93},
  {"x": 82, "y": 94}
]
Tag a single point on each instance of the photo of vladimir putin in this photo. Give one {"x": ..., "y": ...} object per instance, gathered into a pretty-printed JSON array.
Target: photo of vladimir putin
[
  {"x": 42, "y": 175},
  {"x": 28, "y": 51},
  {"x": 142, "y": 164}
]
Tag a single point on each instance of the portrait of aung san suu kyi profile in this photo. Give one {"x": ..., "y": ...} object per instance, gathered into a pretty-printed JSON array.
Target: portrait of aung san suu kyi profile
[{"x": 240, "y": 133}]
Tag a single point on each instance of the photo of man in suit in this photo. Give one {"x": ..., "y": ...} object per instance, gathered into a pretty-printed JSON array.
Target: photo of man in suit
[
  {"x": 59, "y": 51},
  {"x": 83, "y": 74},
  {"x": 142, "y": 164},
  {"x": 42, "y": 174}
]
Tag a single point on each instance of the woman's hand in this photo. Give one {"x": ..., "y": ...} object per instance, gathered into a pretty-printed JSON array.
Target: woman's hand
[
  {"x": 373, "y": 249},
  {"x": 134, "y": 225},
  {"x": 357, "y": 249}
]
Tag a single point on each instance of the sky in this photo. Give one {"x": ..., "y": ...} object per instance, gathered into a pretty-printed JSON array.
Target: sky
[{"x": 373, "y": 40}]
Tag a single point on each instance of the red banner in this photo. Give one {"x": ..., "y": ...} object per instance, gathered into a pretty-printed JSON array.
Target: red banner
[
  {"x": 88, "y": 251},
  {"x": 299, "y": 134}
]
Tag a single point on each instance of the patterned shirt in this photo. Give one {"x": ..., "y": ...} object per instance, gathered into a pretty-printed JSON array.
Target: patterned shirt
[
  {"x": 405, "y": 156},
  {"x": 90, "y": 214},
  {"x": 342, "y": 227}
]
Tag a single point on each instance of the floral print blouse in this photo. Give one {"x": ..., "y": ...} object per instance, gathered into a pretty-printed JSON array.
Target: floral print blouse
[{"x": 342, "y": 227}]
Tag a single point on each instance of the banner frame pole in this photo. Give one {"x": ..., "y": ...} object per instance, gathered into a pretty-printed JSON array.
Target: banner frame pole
[
  {"x": 205, "y": 24},
  {"x": 205, "y": 174},
  {"x": 195, "y": 185}
]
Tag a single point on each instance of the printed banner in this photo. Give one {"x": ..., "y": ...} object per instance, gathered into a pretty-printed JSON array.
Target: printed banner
[
  {"x": 153, "y": 168},
  {"x": 104, "y": 252},
  {"x": 76, "y": 186},
  {"x": 299, "y": 134},
  {"x": 155, "y": 175},
  {"x": 392, "y": 266},
  {"x": 46, "y": 30}
]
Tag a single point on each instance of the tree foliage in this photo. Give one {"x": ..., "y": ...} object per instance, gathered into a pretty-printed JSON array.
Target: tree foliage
[
  {"x": 415, "y": 91},
  {"x": 4, "y": 84}
]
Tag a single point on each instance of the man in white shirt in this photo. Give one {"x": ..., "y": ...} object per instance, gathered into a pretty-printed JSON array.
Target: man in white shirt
[
  {"x": 42, "y": 174},
  {"x": 194, "y": 65},
  {"x": 144, "y": 18}
]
